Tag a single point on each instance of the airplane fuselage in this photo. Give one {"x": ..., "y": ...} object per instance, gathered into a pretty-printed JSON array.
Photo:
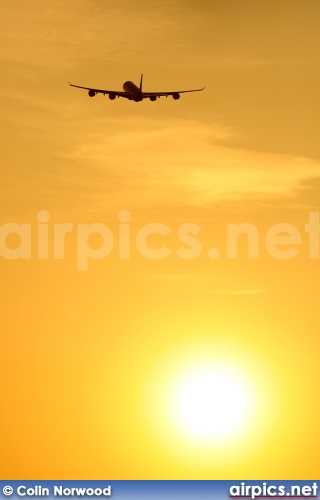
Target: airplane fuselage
[{"x": 132, "y": 89}]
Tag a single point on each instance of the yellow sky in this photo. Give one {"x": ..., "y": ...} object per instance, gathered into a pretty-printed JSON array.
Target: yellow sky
[{"x": 87, "y": 357}]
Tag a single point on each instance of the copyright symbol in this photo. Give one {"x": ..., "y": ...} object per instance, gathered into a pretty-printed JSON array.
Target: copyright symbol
[{"x": 7, "y": 491}]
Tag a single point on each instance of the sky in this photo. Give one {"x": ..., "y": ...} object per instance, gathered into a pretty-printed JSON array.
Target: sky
[{"x": 95, "y": 343}]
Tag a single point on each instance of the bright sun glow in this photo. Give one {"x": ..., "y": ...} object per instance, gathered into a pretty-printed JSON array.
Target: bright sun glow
[{"x": 211, "y": 403}]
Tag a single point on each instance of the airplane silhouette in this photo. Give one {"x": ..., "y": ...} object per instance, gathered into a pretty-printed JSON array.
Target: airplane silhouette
[{"x": 134, "y": 93}]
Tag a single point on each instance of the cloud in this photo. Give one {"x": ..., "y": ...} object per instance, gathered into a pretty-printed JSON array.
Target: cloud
[
  {"x": 59, "y": 33},
  {"x": 307, "y": 193},
  {"x": 188, "y": 163}
]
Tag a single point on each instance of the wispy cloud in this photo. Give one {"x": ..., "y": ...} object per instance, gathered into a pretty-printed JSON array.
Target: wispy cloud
[
  {"x": 59, "y": 33},
  {"x": 156, "y": 166}
]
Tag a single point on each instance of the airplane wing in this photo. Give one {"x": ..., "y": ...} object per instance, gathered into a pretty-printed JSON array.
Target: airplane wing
[
  {"x": 175, "y": 93},
  {"x": 113, "y": 93}
]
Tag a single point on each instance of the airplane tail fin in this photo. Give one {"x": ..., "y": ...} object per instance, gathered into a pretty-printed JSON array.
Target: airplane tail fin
[{"x": 141, "y": 83}]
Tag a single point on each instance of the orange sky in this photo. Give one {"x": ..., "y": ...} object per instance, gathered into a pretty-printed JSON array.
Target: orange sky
[{"x": 87, "y": 357}]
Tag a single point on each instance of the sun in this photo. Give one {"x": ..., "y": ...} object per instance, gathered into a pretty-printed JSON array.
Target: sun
[{"x": 211, "y": 402}]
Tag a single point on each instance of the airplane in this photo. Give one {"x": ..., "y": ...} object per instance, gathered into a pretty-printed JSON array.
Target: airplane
[{"x": 134, "y": 93}]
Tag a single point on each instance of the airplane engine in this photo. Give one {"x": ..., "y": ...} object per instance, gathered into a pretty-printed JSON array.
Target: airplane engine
[
  {"x": 137, "y": 98},
  {"x": 91, "y": 93},
  {"x": 176, "y": 96},
  {"x": 112, "y": 96},
  {"x": 153, "y": 98}
]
